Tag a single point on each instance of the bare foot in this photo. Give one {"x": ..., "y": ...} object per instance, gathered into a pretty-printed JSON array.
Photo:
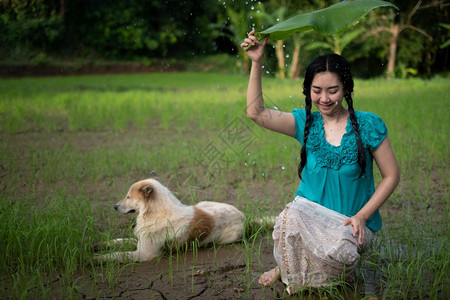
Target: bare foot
[{"x": 269, "y": 277}]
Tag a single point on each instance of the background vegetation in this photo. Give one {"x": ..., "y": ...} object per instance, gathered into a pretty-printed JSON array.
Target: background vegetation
[{"x": 408, "y": 42}]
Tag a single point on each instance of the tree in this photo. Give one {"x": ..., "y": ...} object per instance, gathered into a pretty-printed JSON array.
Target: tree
[
  {"x": 298, "y": 38},
  {"x": 277, "y": 16},
  {"x": 337, "y": 42},
  {"x": 396, "y": 27},
  {"x": 238, "y": 26},
  {"x": 295, "y": 65},
  {"x": 283, "y": 10}
]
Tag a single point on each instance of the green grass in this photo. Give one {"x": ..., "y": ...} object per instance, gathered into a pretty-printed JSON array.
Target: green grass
[{"x": 71, "y": 146}]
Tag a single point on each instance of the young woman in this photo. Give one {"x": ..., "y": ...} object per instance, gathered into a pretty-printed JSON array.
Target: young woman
[{"x": 318, "y": 237}]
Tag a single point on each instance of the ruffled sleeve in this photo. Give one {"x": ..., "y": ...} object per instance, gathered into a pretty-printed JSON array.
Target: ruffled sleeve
[
  {"x": 373, "y": 130},
  {"x": 300, "y": 119}
]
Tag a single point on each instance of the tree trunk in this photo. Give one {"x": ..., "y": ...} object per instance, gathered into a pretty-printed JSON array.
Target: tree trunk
[
  {"x": 62, "y": 10},
  {"x": 295, "y": 67},
  {"x": 279, "y": 49},
  {"x": 392, "y": 50}
]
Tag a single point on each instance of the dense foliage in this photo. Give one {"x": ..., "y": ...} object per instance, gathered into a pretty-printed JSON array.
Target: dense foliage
[{"x": 148, "y": 30}]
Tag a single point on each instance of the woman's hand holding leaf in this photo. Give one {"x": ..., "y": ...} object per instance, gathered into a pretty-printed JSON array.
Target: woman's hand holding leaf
[{"x": 254, "y": 48}]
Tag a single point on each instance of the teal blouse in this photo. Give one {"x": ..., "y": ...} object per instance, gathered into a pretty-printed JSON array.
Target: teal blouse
[{"x": 330, "y": 176}]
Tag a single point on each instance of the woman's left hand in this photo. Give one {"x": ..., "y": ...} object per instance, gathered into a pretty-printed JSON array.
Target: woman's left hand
[{"x": 359, "y": 227}]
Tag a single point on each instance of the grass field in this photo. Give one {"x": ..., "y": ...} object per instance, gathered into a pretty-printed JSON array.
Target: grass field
[{"x": 71, "y": 146}]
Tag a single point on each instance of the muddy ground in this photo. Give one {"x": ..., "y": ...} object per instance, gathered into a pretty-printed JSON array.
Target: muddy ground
[{"x": 225, "y": 272}]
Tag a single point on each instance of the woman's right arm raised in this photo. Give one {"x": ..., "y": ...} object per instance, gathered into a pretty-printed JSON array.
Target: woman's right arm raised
[{"x": 275, "y": 120}]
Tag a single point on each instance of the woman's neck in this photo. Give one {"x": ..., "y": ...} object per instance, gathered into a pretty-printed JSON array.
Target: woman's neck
[{"x": 336, "y": 117}]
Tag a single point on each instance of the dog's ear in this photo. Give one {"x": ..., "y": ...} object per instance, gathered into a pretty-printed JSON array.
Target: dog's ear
[
  {"x": 146, "y": 191},
  {"x": 152, "y": 174}
]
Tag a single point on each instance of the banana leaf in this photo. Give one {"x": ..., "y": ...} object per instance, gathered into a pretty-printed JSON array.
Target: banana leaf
[{"x": 327, "y": 21}]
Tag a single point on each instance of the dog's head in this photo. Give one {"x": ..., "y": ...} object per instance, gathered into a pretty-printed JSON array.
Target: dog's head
[
  {"x": 146, "y": 196},
  {"x": 137, "y": 198}
]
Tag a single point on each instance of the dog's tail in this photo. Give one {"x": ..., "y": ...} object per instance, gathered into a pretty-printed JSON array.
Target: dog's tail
[{"x": 265, "y": 222}]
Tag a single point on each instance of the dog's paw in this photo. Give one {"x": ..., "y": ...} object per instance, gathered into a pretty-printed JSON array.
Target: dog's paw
[
  {"x": 98, "y": 259},
  {"x": 98, "y": 247}
]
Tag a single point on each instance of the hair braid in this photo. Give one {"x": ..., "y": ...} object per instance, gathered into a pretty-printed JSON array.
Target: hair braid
[
  {"x": 361, "y": 153},
  {"x": 305, "y": 134}
]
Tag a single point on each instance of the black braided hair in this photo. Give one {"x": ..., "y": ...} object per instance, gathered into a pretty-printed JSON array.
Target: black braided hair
[
  {"x": 336, "y": 64},
  {"x": 305, "y": 135},
  {"x": 361, "y": 153}
]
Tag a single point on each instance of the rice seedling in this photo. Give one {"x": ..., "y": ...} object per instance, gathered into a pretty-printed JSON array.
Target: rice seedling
[{"x": 70, "y": 148}]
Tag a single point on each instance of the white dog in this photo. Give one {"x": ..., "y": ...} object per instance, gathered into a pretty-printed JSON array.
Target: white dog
[{"x": 162, "y": 218}]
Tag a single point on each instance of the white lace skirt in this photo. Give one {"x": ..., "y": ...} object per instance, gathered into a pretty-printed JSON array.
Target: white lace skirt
[{"x": 312, "y": 248}]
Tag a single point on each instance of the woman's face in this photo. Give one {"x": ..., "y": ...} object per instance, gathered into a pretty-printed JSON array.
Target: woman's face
[{"x": 327, "y": 93}]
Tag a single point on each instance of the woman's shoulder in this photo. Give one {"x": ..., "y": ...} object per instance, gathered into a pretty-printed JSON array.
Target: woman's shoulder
[
  {"x": 366, "y": 115},
  {"x": 372, "y": 127},
  {"x": 369, "y": 119},
  {"x": 300, "y": 122}
]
